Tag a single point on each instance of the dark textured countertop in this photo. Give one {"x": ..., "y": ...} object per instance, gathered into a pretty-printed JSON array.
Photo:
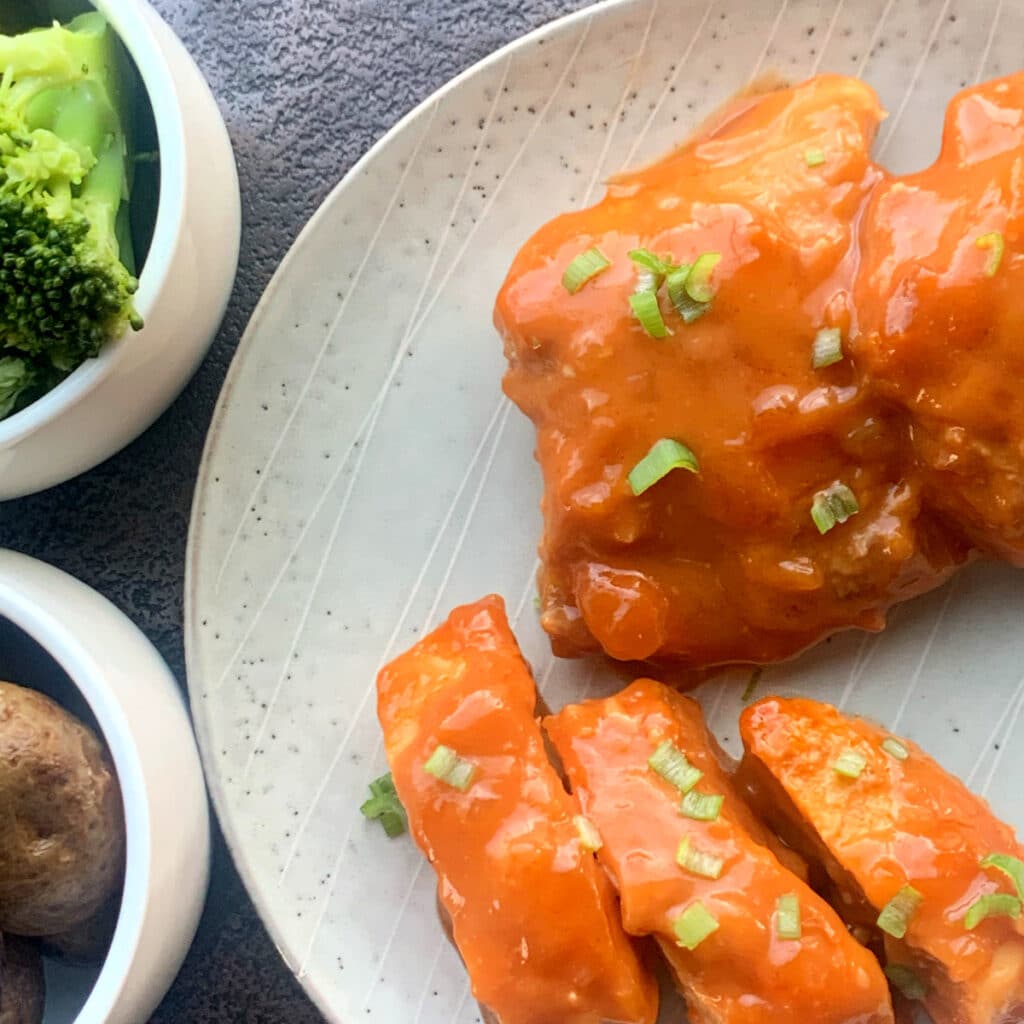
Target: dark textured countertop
[{"x": 306, "y": 86}]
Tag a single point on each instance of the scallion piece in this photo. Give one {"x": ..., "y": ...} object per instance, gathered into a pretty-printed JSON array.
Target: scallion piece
[
  {"x": 651, "y": 261},
  {"x": 583, "y": 268},
  {"x": 664, "y": 456},
  {"x": 694, "y": 925},
  {"x": 827, "y": 348},
  {"x": 675, "y": 285},
  {"x": 894, "y": 748},
  {"x": 698, "y": 862},
  {"x": 670, "y": 763},
  {"x": 647, "y": 310},
  {"x": 814, "y": 157},
  {"x": 701, "y": 806},
  {"x": 385, "y": 807},
  {"x": 906, "y": 981},
  {"x": 1012, "y": 867},
  {"x": 446, "y": 765},
  {"x": 896, "y": 914},
  {"x": 752, "y": 683},
  {"x": 698, "y": 281},
  {"x": 992, "y": 904},
  {"x": 996, "y": 245},
  {"x": 590, "y": 838},
  {"x": 787, "y": 917},
  {"x": 850, "y": 764},
  {"x": 833, "y": 506}
]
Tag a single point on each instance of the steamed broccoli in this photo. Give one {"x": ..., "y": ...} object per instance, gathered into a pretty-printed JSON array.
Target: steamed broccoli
[{"x": 65, "y": 289}]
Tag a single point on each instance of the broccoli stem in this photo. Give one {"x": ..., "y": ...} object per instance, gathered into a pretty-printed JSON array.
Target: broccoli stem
[{"x": 86, "y": 114}]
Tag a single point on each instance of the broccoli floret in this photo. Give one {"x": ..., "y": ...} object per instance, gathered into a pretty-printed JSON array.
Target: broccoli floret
[{"x": 65, "y": 289}]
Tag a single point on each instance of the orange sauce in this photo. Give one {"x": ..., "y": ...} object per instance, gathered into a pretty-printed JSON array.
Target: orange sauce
[
  {"x": 901, "y": 822},
  {"x": 532, "y": 913},
  {"x": 742, "y": 972},
  {"x": 922, "y": 419}
]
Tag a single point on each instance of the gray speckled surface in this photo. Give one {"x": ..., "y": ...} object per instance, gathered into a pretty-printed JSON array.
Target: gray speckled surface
[{"x": 306, "y": 87}]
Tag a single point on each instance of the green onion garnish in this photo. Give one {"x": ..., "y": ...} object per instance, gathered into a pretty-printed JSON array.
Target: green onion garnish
[
  {"x": 664, "y": 456},
  {"x": 647, "y": 310},
  {"x": 787, "y": 916},
  {"x": 827, "y": 348},
  {"x": 385, "y": 807},
  {"x": 675, "y": 285},
  {"x": 892, "y": 746},
  {"x": 814, "y": 157},
  {"x": 590, "y": 838},
  {"x": 698, "y": 281},
  {"x": 993, "y": 904},
  {"x": 584, "y": 267},
  {"x": 694, "y": 925},
  {"x": 751, "y": 688},
  {"x": 850, "y": 764},
  {"x": 670, "y": 763},
  {"x": 651, "y": 261},
  {"x": 446, "y": 765},
  {"x": 698, "y": 862},
  {"x": 906, "y": 980},
  {"x": 701, "y": 806},
  {"x": 832, "y": 506},
  {"x": 994, "y": 242},
  {"x": 1010, "y": 866},
  {"x": 896, "y": 914}
]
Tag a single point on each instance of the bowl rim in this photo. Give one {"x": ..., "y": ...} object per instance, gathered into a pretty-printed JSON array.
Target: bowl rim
[
  {"x": 45, "y": 627},
  {"x": 131, "y": 22}
]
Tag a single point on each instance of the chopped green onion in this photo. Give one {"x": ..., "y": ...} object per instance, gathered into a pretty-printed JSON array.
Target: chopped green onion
[
  {"x": 896, "y": 914},
  {"x": 787, "y": 917},
  {"x": 1010, "y": 866},
  {"x": 814, "y": 157},
  {"x": 832, "y": 506},
  {"x": 664, "y": 456},
  {"x": 385, "y": 807},
  {"x": 590, "y": 838},
  {"x": 670, "y": 763},
  {"x": 698, "y": 281},
  {"x": 906, "y": 980},
  {"x": 892, "y": 746},
  {"x": 994, "y": 242},
  {"x": 647, "y": 310},
  {"x": 584, "y": 267},
  {"x": 850, "y": 764},
  {"x": 446, "y": 765},
  {"x": 698, "y": 862},
  {"x": 701, "y": 806},
  {"x": 694, "y": 925},
  {"x": 993, "y": 904},
  {"x": 827, "y": 348},
  {"x": 751, "y": 688},
  {"x": 675, "y": 285},
  {"x": 651, "y": 261}
]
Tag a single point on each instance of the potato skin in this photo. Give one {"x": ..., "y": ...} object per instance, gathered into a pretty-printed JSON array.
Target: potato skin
[
  {"x": 61, "y": 824},
  {"x": 87, "y": 943},
  {"x": 22, "y": 988}
]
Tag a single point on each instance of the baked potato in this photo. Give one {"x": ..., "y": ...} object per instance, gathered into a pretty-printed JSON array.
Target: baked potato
[
  {"x": 22, "y": 988},
  {"x": 88, "y": 942},
  {"x": 62, "y": 835}
]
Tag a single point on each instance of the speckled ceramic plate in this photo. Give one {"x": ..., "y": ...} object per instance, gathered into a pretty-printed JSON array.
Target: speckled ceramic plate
[{"x": 364, "y": 473}]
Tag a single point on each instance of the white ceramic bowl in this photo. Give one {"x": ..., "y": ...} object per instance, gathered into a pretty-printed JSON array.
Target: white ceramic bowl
[
  {"x": 183, "y": 288},
  {"x": 138, "y": 707}
]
